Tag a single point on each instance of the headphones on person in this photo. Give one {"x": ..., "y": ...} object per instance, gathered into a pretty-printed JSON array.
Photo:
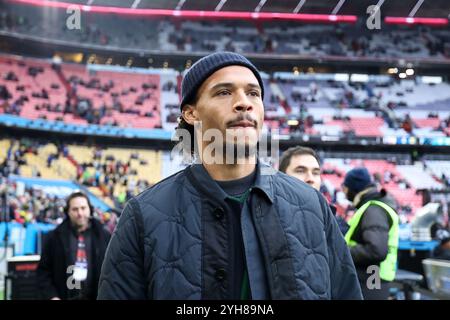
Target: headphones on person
[{"x": 78, "y": 194}]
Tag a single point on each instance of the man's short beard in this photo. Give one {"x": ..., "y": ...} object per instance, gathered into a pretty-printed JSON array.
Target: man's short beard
[
  {"x": 233, "y": 149},
  {"x": 77, "y": 226},
  {"x": 239, "y": 147},
  {"x": 238, "y": 153}
]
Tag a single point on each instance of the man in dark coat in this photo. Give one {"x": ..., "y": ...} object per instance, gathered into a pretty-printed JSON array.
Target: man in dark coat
[
  {"x": 228, "y": 226},
  {"x": 73, "y": 253},
  {"x": 371, "y": 234}
]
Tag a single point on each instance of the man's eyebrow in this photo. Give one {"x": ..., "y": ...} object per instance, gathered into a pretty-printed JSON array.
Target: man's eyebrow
[
  {"x": 231, "y": 85},
  {"x": 254, "y": 86},
  {"x": 221, "y": 85},
  {"x": 303, "y": 167}
]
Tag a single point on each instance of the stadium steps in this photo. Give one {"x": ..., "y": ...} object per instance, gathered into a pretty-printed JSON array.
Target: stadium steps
[
  {"x": 418, "y": 178},
  {"x": 61, "y": 167},
  {"x": 81, "y": 154},
  {"x": 405, "y": 197},
  {"x": 438, "y": 167},
  {"x": 427, "y": 123},
  {"x": 151, "y": 172},
  {"x": 40, "y": 164},
  {"x": 66, "y": 167},
  {"x": 26, "y": 171},
  {"x": 99, "y": 194},
  {"x": 121, "y": 155},
  {"x": 5, "y": 144},
  {"x": 276, "y": 90}
]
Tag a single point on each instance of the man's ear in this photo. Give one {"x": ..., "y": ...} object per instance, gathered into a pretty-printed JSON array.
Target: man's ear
[{"x": 189, "y": 114}]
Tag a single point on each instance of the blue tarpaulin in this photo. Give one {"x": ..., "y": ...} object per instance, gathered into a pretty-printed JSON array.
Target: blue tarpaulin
[
  {"x": 59, "y": 188},
  {"x": 24, "y": 239}
]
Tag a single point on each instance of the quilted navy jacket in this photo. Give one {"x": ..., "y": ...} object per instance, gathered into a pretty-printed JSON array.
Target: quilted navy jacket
[{"x": 171, "y": 244}]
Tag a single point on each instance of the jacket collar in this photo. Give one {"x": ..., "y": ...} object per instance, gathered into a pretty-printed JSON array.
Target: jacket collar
[
  {"x": 65, "y": 227},
  {"x": 203, "y": 182},
  {"x": 367, "y": 194},
  {"x": 359, "y": 196},
  {"x": 264, "y": 180}
]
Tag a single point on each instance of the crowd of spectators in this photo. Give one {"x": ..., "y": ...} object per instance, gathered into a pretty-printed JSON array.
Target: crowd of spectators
[
  {"x": 297, "y": 104},
  {"x": 76, "y": 104},
  {"x": 29, "y": 205},
  {"x": 240, "y": 36},
  {"x": 107, "y": 173},
  {"x": 116, "y": 179}
]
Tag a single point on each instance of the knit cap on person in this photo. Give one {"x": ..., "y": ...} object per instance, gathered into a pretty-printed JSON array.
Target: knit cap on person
[
  {"x": 357, "y": 179},
  {"x": 206, "y": 66}
]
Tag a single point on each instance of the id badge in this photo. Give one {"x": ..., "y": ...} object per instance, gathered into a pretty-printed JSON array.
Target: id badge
[{"x": 80, "y": 272}]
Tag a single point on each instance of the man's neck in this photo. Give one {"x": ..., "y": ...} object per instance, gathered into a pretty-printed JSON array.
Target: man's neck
[
  {"x": 80, "y": 229},
  {"x": 224, "y": 172}
]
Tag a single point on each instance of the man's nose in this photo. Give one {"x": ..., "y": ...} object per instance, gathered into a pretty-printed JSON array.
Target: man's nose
[
  {"x": 242, "y": 103},
  {"x": 309, "y": 177}
]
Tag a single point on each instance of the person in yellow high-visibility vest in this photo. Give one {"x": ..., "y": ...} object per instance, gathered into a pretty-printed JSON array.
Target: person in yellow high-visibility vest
[{"x": 373, "y": 234}]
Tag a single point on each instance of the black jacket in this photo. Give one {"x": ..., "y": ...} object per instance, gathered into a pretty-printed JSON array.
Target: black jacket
[
  {"x": 172, "y": 243},
  {"x": 56, "y": 258},
  {"x": 372, "y": 232},
  {"x": 343, "y": 225}
]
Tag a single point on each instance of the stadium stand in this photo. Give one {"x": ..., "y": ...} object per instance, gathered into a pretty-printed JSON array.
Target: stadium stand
[
  {"x": 440, "y": 170},
  {"x": 240, "y": 36},
  {"x": 113, "y": 174},
  {"x": 78, "y": 95},
  {"x": 386, "y": 174}
]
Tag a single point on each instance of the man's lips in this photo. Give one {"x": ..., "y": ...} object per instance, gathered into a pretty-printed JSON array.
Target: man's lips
[{"x": 243, "y": 124}]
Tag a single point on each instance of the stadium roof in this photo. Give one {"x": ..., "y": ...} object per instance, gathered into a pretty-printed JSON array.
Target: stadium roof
[{"x": 396, "y": 8}]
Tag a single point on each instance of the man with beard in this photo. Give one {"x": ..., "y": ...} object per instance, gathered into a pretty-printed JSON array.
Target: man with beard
[
  {"x": 73, "y": 254},
  {"x": 227, "y": 227},
  {"x": 373, "y": 233}
]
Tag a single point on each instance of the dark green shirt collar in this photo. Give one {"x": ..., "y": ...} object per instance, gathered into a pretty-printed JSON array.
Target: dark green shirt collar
[{"x": 203, "y": 182}]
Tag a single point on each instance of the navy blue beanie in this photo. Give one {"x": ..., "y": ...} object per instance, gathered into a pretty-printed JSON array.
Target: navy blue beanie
[
  {"x": 206, "y": 66},
  {"x": 357, "y": 179}
]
